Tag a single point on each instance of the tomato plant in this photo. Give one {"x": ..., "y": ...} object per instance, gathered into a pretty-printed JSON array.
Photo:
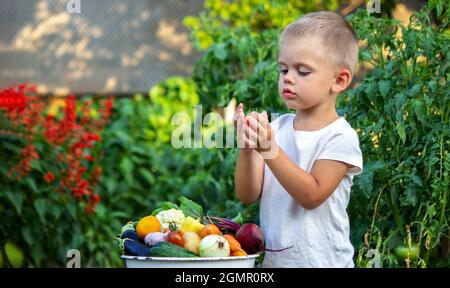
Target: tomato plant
[{"x": 401, "y": 112}]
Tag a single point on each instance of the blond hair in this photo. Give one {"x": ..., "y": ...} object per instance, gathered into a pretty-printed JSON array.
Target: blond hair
[{"x": 336, "y": 36}]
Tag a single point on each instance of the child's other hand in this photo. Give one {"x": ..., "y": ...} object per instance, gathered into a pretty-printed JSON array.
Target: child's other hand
[
  {"x": 260, "y": 133},
  {"x": 241, "y": 125},
  {"x": 239, "y": 115}
]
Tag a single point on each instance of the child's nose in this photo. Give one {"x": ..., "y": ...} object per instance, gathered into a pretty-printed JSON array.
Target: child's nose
[{"x": 288, "y": 78}]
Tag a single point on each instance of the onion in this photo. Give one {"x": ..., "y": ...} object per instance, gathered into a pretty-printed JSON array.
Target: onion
[
  {"x": 151, "y": 239},
  {"x": 214, "y": 246}
]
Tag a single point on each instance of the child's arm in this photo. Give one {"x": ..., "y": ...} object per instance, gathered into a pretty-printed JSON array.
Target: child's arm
[
  {"x": 249, "y": 176},
  {"x": 308, "y": 189},
  {"x": 250, "y": 165}
]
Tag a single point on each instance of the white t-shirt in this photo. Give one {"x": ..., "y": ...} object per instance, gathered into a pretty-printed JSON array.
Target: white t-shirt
[{"x": 321, "y": 237}]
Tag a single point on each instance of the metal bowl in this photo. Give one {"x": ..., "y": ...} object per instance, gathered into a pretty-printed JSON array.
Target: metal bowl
[{"x": 186, "y": 262}]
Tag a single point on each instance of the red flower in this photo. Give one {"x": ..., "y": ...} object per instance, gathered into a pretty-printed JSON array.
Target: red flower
[
  {"x": 71, "y": 136},
  {"x": 49, "y": 177},
  {"x": 90, "y": 209},
  {"x": 81, "y": 170},
  {"x": 13, "y": 99},
  {"x": 95, "y": 198}
]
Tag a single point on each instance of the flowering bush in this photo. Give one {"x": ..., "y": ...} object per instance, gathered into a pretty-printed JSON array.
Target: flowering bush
[
  {"x": 50, "y": 168},
  {"x": 70, "y": 138}
]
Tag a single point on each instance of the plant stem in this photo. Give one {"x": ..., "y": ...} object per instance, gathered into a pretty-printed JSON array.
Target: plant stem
[
  {"x": 395, "y": 213},
  {"x": 445, "y": 192},
  {"x": 375, "y": 211},
  {"x": 380, "y": 55}
]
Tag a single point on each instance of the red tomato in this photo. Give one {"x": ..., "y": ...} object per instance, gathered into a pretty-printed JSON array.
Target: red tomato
[{"x": 176, "y": 237}]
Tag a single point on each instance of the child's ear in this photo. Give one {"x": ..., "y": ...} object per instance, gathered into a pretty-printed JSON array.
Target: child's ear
[{"x": 343, "y": 78}]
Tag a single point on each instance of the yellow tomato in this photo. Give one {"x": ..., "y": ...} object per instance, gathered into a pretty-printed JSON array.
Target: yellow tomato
[{"x": 147, "y": 225}]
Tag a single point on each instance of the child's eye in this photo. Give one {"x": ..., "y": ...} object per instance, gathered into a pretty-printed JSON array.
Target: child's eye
[
  {"x": 303, "y": 73},
  {"x": 283, "y": 71}
]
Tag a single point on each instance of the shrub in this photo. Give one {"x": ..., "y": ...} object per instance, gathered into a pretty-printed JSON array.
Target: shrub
[
  {"x": 49, "y": 173},
  {"x": 401, "y": 110}
]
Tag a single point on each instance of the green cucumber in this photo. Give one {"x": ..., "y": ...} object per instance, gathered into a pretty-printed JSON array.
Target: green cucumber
[{"x": 166, "y": 249}]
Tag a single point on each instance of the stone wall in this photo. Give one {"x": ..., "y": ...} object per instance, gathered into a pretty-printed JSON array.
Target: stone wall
[{"x": 113, "y": 46}]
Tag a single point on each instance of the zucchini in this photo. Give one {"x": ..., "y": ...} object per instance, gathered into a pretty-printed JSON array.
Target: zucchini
[{"x": 166, "y": 249}]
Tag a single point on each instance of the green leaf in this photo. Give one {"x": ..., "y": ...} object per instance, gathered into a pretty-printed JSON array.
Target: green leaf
[
  {"x": 37, "y": 254},
  {"x": 365, "y": 183},
  {"x": 366, "y": 55},
  {"x": 147, "y": 175},
  {"x": 122, "y": 136},
  {"x": 56, "y": 211},
  {"x": 28, "y": 235},
  {"x": 220, "y": 52},
  {"x": 401, "y": 131},
  {"x": 110, "y": 184},
  {"x": 101, "y": 211},
  {"x": 126, "y": 167},
  {"x": 411, "y": 196},
  {"x": 373, "y": 166},
  {"x": 119, "y": 214},
  {"x": 41, "y": 207},
  {"x": 72, "y": 210},
  {"x": 36, "y": 165},
  {"x": 439, "y": 8},
  {"x": 400, "y": 100},
  {"x": 139, "y": 150},
  {"x": 416, "y": 179},
  {"x": 32, "y": 184},
  {"x": 190, "y": 208},
  {"x": 384, "y": 86},
  {"x": 16, "y": 199},
  {"x": 415, "y": 90}
]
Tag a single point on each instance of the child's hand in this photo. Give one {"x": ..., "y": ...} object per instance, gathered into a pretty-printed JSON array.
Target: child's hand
[
  {"x": 260, "y": 132},
  {"x": 241, "y": 125},
  {"x": 239, "y": 115}
]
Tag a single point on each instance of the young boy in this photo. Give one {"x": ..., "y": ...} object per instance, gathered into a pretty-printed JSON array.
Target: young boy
[{"x": 301, "y": 165}]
